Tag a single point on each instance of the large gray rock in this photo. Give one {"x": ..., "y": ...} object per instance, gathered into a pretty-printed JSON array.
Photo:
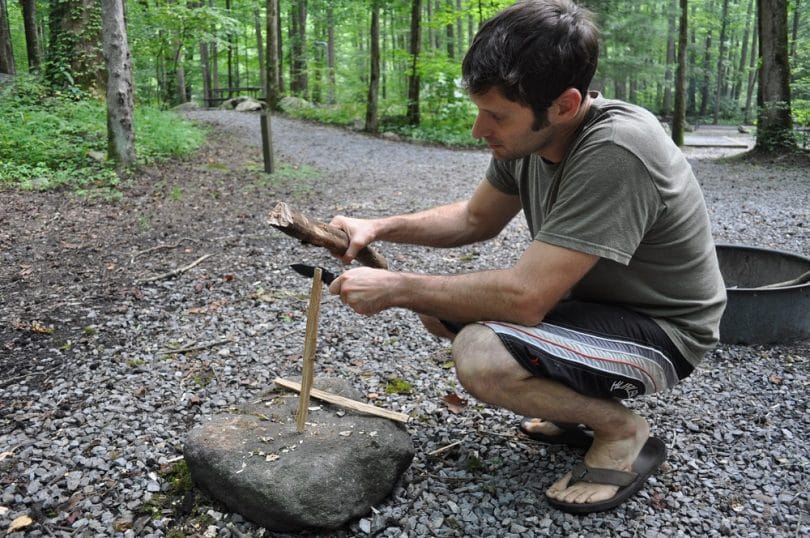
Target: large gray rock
[{"x": 258, "y": 465}]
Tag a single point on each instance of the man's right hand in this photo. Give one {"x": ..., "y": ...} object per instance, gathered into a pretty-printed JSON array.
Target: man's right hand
[{"x": 361, "y": 232}]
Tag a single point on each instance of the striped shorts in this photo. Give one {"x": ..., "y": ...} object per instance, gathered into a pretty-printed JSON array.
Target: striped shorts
[{"x": 602, "y": 351}]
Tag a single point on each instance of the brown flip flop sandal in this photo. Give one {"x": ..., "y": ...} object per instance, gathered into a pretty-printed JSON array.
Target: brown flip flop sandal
[{"x": 652, "y": 455}]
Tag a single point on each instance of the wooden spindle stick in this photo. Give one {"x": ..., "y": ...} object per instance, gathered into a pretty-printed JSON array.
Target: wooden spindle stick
[
  {"x": 310, "y": 343},
  {"x": 297, "y": 225}
]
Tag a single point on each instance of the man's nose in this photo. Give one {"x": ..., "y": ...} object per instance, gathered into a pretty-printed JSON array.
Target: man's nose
[{"x": 480, "y": 128}]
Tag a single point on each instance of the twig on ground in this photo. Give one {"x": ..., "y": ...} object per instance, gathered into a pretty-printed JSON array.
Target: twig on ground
[
  {"x": 176, "y": 271},
  {"x": 444, "y": 448},
  {"x": 160, "y": 247},
  {"x": 195, "y": 347}
]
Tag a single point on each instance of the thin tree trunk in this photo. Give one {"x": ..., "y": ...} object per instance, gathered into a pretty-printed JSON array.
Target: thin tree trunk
[
  {"x": 120, "y": 103},
  {"x": 752, "y": 73},
  {"x": 298, "y": 60},
  {"x": 432, "y": 42},
  {"x": 330, "y": 55},
  {"x": 374, "y": 78},
  {"x": 774, "y": 125},
  {"x": 280, "y": 48},
  {"x": 721, "y": 64},
  {"x": 666, "y": 106},
  {"x": 459, "y": 28},
  {"x": 206, "y": 73},
  {"x": 413, "y": 77},
  {"x": 704, "y": 88},
  {"x": 735, "y": 93},
  {"x": 29, "y": 9},
  {"x": 260, "y": 51},
  {"x": 230, "y": 50},
  {"x": 691, "y": 92},
  {"x": 797, "y": 5},
  {"x": 451, "y": 41},
  {"x": 180, "y": 75},
  {"x": 6, "y": 51},
  {"x": 214, "y": 61},
  {"x": 679, "y": 114},
  {"x": 273, "y": 89}
]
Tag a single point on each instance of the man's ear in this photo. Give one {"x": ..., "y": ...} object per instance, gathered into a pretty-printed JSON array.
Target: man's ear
[{"x": 566, "y": 106}]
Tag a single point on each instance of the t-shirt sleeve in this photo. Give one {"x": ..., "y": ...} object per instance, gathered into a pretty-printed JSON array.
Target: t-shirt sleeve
[
  {"x": 502, "y": 175},
  {"x": 605, "y": 204}
]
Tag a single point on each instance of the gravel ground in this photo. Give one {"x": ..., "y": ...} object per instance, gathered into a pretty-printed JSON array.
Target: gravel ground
[{"x": 96, "y": 394}]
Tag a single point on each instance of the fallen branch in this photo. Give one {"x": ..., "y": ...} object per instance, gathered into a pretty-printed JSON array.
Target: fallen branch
[
  {"x": 176, "y": 272},
  {"x": 354, "y": 405},
  {"x": 335, "y": 240}
]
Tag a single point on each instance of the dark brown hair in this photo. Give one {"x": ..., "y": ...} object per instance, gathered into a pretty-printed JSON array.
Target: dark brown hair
[{"x": 533, "y": 51}]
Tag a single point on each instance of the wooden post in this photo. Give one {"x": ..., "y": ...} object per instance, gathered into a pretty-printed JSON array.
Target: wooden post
[
  {"x": 310, "y": 343},
  {"x": 267, "y": 140}
]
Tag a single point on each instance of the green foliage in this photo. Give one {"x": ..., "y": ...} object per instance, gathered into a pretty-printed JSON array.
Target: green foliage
[
  {"x": 49, "y": 140},
  {"x": 398, "y": 386}
]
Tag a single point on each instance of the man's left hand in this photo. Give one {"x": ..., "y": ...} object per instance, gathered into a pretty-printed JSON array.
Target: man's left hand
[{"x": 367, "y": 291}]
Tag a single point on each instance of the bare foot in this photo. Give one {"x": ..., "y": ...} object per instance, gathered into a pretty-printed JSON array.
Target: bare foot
[
  {"x": 613, "y": 454},
  {"x": 539, "y": 425}
]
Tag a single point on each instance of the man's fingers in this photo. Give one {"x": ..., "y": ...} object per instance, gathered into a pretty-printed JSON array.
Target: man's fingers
[{"x": 334, "y": 287}]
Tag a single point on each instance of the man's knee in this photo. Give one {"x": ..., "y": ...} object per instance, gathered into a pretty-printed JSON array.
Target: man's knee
[{"x": 482, "y": 362}]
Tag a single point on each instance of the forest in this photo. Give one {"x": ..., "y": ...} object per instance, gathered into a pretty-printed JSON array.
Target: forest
[{"x": 393, "y": 65}]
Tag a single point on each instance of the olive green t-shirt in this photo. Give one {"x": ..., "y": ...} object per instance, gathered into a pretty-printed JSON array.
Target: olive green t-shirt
[{"x": 625, "y": 192}]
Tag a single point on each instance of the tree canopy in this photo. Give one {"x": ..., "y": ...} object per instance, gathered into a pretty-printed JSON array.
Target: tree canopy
[{"x": 209, "y": 50}]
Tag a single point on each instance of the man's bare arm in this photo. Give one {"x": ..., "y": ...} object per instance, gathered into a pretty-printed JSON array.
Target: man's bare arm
[
  {"x": 521, "y": 294},
  {"x": 481, "y": 217}
]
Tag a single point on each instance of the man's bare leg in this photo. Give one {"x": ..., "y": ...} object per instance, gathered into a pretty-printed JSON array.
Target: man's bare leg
[
  {"x": 488, "y": 372},
  {"x": 436, "y": 327}
]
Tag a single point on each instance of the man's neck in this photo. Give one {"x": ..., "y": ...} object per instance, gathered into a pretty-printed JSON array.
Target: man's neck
[{"x": 565, "y": 133}]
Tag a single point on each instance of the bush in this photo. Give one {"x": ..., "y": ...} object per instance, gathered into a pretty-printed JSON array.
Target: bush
[{"x": 50, "y": 140}]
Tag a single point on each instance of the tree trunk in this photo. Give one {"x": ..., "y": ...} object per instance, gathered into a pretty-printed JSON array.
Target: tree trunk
[
  {"x": 272, "y": 90},
  {"x": 774, "y": 126},
  {"x": 753, "y": 72},
  {"x": 795, "y": 32},
  {"x": 74, "y": 57},
  {"x": 214, "y": 61},
  {"x": 721, "y": 65},
  {"x": 6, "y": 51},
  {"x": 330, "y": 55},
  {"x": 736, "y": 92},
  {"x": 459, "y": 27},
  {"x": 679, "y": 114},
  {"x": 179, "y": 75},
  {"x": 432, "y": 41},
  {"x": 704, "y": 88},
  {"x": 450, "y": 31},
  {"x": 205, "y": 71},
  {"x": 666, "y": 106},
  {"x": 120, "y": 129},
  {"x": 374, "y": 74},
  {"x": 298, "y": 60},
  {"x": 691, "y": 92},
  {"x": 29, "y": 9},
  {"x": 260, "y": 52},
  {"x": 413, "y": 77},
  {"x": 280, "y": 51},
  {"x": 230, "y": 50}
]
